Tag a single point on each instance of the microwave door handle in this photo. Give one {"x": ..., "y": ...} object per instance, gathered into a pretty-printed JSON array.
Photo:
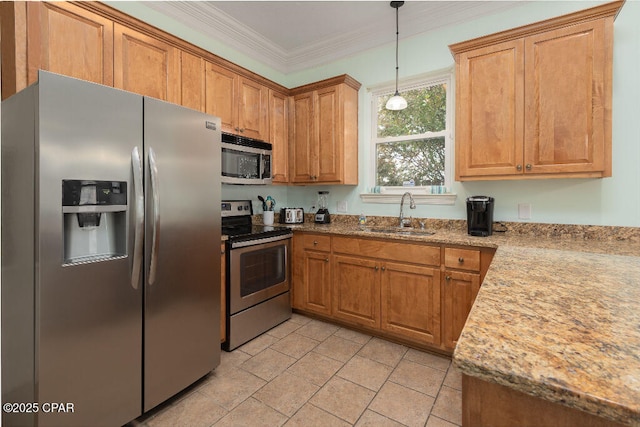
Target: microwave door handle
[
  {"x": 153, "y": 172},
  {"x": 138, "y": 212}
]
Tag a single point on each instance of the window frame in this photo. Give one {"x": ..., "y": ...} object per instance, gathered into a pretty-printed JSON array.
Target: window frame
[{"x": 445, "y": 76}]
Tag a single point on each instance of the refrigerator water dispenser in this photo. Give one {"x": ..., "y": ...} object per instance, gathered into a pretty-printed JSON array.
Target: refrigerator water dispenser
[{"x": 95, "y": 220}]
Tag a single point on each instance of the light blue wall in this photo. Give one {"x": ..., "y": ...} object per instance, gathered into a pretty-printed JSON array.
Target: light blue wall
[{"x": 609, "y": 201}]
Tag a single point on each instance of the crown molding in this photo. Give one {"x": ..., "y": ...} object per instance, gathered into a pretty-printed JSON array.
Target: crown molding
[
  {"x": 215, "y": 24},
  {"x": 205, "y": 18}
]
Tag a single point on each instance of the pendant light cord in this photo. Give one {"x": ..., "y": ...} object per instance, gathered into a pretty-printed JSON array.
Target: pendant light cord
[{"x": 397, "y": 32}]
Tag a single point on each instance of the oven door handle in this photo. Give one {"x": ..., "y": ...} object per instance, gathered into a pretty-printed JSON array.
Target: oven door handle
[{"x": 259, "y": 241}]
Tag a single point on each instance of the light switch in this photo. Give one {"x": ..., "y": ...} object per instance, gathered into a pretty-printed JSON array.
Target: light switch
[{"x": 342, "y": 206}]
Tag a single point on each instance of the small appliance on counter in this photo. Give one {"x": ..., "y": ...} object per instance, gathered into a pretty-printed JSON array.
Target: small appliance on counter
[
  {"x": 322, "y": 214},
  {"x": 291, "y": 215},
  {"x": 480, "y": 215}
]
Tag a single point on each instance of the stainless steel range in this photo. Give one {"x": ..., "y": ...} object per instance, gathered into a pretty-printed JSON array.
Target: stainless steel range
[{"x": 258, "y": 274}]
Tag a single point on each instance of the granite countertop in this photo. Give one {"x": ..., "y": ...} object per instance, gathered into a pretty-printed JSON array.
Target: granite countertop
[{"x": 557, "y": 316}]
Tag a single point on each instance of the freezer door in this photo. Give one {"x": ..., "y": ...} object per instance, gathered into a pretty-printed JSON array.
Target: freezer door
[
  {"x": 182, "y": 242},
  {"x": 88, "y": 330}
]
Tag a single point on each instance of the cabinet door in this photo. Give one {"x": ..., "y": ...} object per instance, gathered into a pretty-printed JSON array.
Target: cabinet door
[
  {"x": 304, "y": 155},
  {"x": 356, "y": 290},
  {"x": 279, "y": 136},
  {"x": 489, "y": 111},
  {"x": 192, "y": 81},
  {"x": 329, "y": 136},
  {"x": 567, "y": 76},
  {"x": 459, "y": 293},
  {"x": 316, "y": 282},
  {"x": 411, "y": 302},
  {"x": 221, "y": 95},
  {"x": 66, "y": 39},
  {"x": 253, "y": 117},
  {"x": 146, "y": 65}
]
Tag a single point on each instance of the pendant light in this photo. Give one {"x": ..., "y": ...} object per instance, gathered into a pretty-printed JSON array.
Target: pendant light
[{"x": 396, "y": 102}]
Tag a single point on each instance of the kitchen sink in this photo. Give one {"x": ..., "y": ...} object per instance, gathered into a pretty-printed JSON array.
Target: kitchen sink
[{"x": 399, "y": 230}]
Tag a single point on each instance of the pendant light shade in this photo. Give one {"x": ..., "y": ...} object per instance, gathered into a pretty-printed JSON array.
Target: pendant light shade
[{"x": 396, "y": 102}]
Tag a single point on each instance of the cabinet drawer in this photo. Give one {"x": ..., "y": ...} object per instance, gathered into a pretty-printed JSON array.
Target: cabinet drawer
[
  {"x": 388, "y": 250},
  {"x": 316, "y": 241},
  {"x": 463, "y": 259}
]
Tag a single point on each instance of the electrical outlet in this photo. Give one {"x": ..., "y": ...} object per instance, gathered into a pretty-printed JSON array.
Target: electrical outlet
[
  {"x": 342, "y": 206},
  {"x": 524, "y": 210}
]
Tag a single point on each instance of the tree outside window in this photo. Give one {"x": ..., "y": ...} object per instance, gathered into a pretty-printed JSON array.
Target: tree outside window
[{"x": 410, "y": 144}]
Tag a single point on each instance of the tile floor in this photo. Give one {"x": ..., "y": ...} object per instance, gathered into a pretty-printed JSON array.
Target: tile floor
[{"x": 305, "y": 372}]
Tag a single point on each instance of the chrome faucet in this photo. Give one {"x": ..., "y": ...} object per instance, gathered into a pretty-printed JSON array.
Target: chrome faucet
[{"x": 412, "y": 204}]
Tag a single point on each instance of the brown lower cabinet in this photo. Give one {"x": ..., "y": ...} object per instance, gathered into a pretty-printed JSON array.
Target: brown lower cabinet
[{"x": 417, "y": 293}]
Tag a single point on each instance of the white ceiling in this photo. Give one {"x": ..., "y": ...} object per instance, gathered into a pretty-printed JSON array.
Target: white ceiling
[{"x": 295, "y": 35}]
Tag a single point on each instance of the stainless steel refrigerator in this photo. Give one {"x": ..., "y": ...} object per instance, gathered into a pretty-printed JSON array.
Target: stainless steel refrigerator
[{"x": 110, "y": 252}]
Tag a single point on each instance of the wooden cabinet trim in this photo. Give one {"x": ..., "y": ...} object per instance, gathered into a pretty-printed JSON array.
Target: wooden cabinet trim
[
  {"x": 14, "y": 47},
  {"x": 333, "y": 81},
  {"x": 602, "y": 11}
]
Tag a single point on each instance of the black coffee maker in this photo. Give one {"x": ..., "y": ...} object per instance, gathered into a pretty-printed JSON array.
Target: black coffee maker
[{"x": 480, "y": 215}]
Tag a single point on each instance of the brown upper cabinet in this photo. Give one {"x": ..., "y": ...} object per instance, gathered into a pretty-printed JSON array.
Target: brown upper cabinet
[
  {"x": 535, "y": 101},
  {"x": 279, "y": 135},
  {"x": 145, "y": 65},
  {"x": 324, "y": 132},
  {"x": 62, "y": 38},
  {"x": 241, "y": 103}
]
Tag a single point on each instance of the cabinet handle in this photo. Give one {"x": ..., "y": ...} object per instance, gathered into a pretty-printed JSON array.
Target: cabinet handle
[
  {"x": 448, "y": 278},
  {"x": 315, "y": 242},
  {"x": 376, "y": 268},
  {"x": 221, "y": 252},
  {"x": 326, "y": 260},
  {"x": 528, "y": 166},
  {"x": 519, "y": 167},
  {"x": 460, "y": 260},
  {"x": 384, "y": 268}
]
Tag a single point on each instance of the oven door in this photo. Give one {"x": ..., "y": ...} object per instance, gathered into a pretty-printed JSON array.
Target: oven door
[{"x": 257, "y": 273}]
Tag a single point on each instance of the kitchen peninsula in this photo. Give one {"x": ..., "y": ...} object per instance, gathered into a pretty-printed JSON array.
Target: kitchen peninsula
[{"x": 556, "y": 320}]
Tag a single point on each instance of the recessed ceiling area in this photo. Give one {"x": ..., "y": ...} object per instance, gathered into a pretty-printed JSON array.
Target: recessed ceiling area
[{"x": 295, "y": 35}]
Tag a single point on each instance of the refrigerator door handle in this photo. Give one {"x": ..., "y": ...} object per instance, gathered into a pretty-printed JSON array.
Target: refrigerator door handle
[
  {"x": 153, "y": 171},
  {"x": 138, "y": 212}
]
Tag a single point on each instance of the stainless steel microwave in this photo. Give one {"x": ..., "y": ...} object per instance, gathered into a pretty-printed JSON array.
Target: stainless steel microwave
[{"x": 245, "y": 160}]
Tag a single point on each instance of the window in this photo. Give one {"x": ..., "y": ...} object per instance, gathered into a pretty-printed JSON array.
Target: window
[{"x": 412, "y": 146}]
